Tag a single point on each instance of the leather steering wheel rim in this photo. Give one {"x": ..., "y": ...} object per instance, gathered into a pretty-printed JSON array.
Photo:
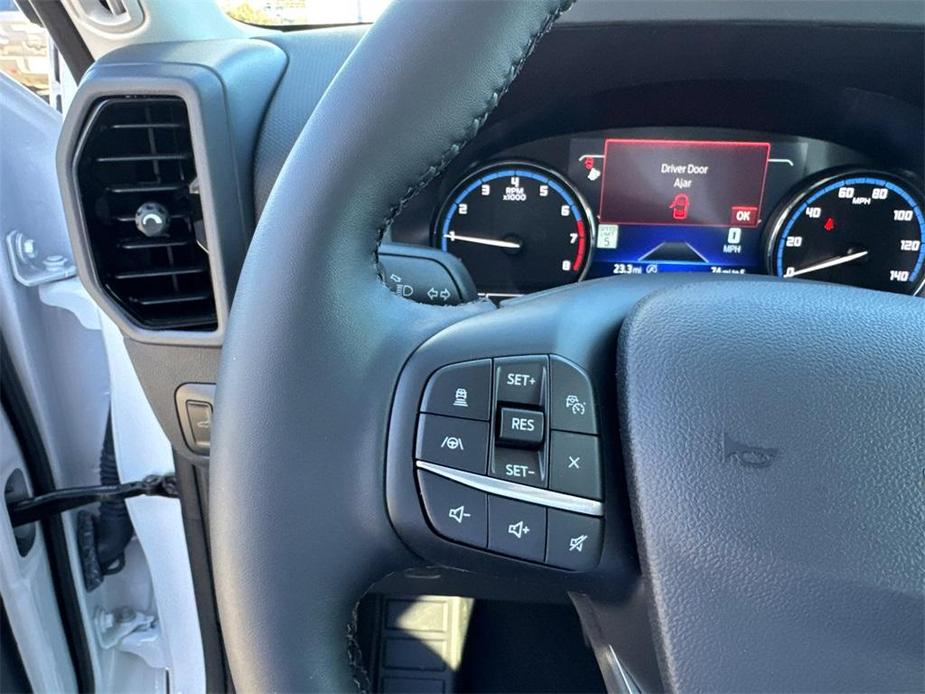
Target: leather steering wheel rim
[{"x": 324, "y": 340}]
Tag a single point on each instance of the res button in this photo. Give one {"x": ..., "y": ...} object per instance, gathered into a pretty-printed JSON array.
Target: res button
[{"x": 521, "y": 427}]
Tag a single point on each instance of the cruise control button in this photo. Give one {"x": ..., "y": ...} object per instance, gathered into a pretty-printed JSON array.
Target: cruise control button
[
  {"x": 458, "y": 443},
  {"x": 573, "y": 540},
  {"x": 456, "y": 512},
  {"x": 517, "y": 465},
  {"x": 574, "y": 464},
  {"x": 520, "y": 380},
  {"x": 516, "y": 529},
  {"x": 460, "y": 390},
  {"x": 571, "y": 398},
  {"x": 521, "y": 427}
]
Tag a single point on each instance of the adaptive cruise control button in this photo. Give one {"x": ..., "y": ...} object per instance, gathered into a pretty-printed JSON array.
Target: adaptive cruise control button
[
  {"x": 458, "y": 513},
  {"x": 521, "y": 427},
  {"x": 460, "y": 390},
  {"x": 571, "y": 398},
  {"x": 574, "y": 464},
  {"x": 573, "y": 540},
  {"x": 520, "y": 380},
  {"x": 516, "y": 528},
  {"x": 458, "y": 443}
]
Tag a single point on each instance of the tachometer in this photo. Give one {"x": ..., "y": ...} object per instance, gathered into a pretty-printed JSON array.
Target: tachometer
[
  {"x": 863, "y": 228},
  {"x": 517, "y": 227}
]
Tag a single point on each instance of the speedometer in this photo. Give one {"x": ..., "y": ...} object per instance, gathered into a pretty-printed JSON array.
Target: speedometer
[
  {"x": 863, "y": 228},
  {"x": 518, "y": 228}
]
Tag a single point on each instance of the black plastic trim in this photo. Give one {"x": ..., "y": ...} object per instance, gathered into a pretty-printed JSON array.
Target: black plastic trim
[
  {"x": 65, "y": 36},
  {"x": 192, "y": 483}
]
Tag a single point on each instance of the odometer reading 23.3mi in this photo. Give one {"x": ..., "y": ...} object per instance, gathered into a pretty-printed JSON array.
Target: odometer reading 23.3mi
[
  {"x": 862, "y": 228},
  {"x": 517, "y": 227}
]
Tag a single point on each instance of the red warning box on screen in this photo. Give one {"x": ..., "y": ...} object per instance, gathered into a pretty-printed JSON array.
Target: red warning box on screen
[{"x": 688, "y": 182}]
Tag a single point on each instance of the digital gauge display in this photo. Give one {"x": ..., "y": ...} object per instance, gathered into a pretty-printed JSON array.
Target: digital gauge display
[{"x": 681, "y": 205}]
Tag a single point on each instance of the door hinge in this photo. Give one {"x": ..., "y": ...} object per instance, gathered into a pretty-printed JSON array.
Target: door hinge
[
  {"x": 131, "y": 631},
  {"x": 30, "y": 267}
]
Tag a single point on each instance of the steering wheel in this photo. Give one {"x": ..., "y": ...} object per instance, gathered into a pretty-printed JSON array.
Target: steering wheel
[{"x": 760, "y": 442}]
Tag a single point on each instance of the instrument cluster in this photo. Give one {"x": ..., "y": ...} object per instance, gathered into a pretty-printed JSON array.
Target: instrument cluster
[{"x": 566, "y": 208}]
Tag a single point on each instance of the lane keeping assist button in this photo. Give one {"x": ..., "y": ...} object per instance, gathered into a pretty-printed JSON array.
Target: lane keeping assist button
[{"x": 454, "y": 442}]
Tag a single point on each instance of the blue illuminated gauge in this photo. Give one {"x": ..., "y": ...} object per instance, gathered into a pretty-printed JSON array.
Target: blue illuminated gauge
[
  {"x": 863, "y": 228},
  {"x": 517, "y": 227}
]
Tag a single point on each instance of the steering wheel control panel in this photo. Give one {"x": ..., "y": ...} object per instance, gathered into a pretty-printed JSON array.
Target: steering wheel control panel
[{"x": 508, "y": 459}]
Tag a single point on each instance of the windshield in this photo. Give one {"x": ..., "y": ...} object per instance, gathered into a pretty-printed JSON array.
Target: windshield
[{"x": 282, "y": 13}]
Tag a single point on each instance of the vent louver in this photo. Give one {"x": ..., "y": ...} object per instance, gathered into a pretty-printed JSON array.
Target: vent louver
[{"x": 138, "y": 189}]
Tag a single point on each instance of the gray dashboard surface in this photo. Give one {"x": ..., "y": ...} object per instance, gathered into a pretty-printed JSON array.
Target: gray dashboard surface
[
  {"x": 314, "y": 58},
  {"x": 856, "y": 12}
]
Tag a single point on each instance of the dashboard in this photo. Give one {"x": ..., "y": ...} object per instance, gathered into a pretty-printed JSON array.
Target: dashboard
[
  {"x": 585, "y": 205},
  {"x": 802, "y": 92}
]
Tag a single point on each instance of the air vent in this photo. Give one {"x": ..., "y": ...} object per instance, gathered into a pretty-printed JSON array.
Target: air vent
[{"x": 139, "y": 193}]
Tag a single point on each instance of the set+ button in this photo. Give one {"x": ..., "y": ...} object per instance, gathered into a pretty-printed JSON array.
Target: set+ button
[{"x": 521, "y": 380}]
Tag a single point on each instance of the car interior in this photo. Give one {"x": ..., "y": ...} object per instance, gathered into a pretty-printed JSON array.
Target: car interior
[{"x": 465, "y": 346}]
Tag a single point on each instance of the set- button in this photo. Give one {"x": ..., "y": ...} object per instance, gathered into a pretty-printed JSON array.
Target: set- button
[{"x": 529, "y": 422}]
